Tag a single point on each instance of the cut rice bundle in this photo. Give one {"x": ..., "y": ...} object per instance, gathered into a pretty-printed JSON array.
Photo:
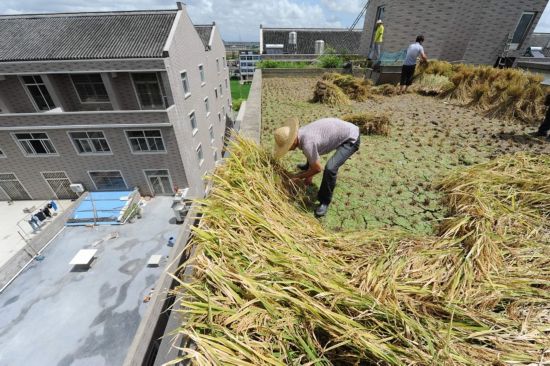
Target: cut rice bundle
[
  {"x": 328, "y": 93},
  {"x": 370, "y": 123}
]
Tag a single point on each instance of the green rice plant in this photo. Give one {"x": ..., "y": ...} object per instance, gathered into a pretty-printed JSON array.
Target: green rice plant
[{"x": 272, "y": 287}]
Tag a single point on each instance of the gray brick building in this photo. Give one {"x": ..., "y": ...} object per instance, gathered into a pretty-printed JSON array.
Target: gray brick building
[
  {"x": 470, "y": 31},
  {"x": 111, "y": 100}
]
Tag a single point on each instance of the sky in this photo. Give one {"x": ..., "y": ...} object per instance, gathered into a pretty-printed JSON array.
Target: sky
[{"x": 238, "y": 20}]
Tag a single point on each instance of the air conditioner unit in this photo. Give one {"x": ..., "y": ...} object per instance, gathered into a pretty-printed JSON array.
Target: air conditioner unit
[{"x": 77, "y": 188}]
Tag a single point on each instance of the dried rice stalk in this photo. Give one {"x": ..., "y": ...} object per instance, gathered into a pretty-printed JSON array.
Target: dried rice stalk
[{"x": 370, "y": 123}]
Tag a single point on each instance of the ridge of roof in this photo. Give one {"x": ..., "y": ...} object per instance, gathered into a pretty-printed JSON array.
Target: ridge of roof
[
  {"x": 87, "y": 14},
  {"x": 313, "y": 29}
]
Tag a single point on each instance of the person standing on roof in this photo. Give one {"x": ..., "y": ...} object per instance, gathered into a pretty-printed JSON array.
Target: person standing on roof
[
  {"x": 414, "y": 51},
  {"x": 378, "y": 39},
  {"x": 315, "y": 139}
]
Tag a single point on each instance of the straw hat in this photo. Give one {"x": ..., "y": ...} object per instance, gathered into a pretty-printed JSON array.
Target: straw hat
[
  {"x": 285, "y": 137},
  {"x": 379, "y": 21}
]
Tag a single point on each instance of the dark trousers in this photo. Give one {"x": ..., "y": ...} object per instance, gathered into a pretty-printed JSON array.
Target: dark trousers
[
  {"x": 342, "y": 154},
  {"x": 545, "y": 126}
]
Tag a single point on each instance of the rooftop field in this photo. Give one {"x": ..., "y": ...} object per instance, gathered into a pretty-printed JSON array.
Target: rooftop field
[{"x": 390, "y": 181}]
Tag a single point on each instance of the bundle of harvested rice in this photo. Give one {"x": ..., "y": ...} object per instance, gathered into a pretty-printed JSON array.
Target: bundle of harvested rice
[
  {"x": 370, "y": 123},
  {"x": 271, "y": 287},
  {"x": 355, "y": 88},
  {"x": 327, "y": 93},
  {"x": 502, "y": 93},
  {"x": 386, "y": 89},
  {"x": 432, "y": 84}
]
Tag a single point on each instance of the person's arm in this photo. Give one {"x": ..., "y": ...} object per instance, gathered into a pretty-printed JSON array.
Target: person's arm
[
  {"x": 423, "y": 57},
  {"x": 313, "y": 170},
  {"x": 310, "y": 151}
]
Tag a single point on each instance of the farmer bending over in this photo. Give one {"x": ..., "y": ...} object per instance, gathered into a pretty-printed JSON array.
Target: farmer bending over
[{"x": 315, "y": 139}]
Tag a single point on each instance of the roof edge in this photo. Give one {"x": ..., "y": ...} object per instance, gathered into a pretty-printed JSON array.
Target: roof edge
[
  {"x": 88, "y": 14},
  {"x": 314, "y": 29}
]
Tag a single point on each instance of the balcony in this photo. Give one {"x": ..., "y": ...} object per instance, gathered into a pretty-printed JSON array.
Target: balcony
[
  {"x": 88, "y": 119},
  {"x": 98, "y": 99}
]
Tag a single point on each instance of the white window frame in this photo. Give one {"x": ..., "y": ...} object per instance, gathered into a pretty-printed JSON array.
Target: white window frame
[
  {"x": 29, "y": 95},
  {"x": 78, "y": 95},
  {"x": 194, "y": 129},
  {"x": 153, "y": 170},
  {"x": 226, "y": 85},
  {"x": 54, "y": 171},
  {"x": 34, "y": 155},
  {"x": 216, "y": 92},
  {"x": 224, "y": 63},
  {"x": 165, "y": 151},
  {"x": 201, "y": 160},
  {"x": 19, "y": 181},
  {"x": 211, "y": 133},
  {"x": 221, "y": 90},
  {"x": 159, "y": 83},
  {"x": 219, "y": 117},
  {"x": 207, "y": 106},
  {"x": 103, "y": 171},
  {"x": 202, "y": 74},
  {"x": 218, "y": 65},
  {"x": 188, "y": 93},
  {"x": 110, "y": 152}
]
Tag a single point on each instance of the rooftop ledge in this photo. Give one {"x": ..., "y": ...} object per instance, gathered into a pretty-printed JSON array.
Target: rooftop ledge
[{"x": 88, "y": 119}]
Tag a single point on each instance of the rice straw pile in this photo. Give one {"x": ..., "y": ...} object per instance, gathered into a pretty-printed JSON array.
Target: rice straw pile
[
  {"x": 327, "y": 93},
  {"x": 502, "y": 93},
  {"x": 272, "y": 287},
  {"x": 370, "y": 123}
]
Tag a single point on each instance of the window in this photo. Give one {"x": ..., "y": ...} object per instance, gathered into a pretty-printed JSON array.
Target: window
[
  {"x": 60, "y": 184},
  {"x": 90, "y": 88},
  {"x": 148, "y": 89},
  {"x": 228, "y": 103},
  {"x": 159, "y": 181},
  {"x": 211, "y": 130},
  {"x": 13, "y": 187},
  {"x": 108, "y": 180},
  {"x": 218, "y": 64},
  {"x": 223, "y": 110},
  {"x": 216, "y": 93},
  {"x": 207, "y": 106},
  {"x": 193, "y": 121},
  {"x": 90, "y": 142},
  {"x": 185, "y": 83},
  {"x": 2, "y": 155},
  {"x": 224, "y": 64},
  {"x": 221, "y": 90},
  {"x": 38, "y": 92},
  {"x": 219, "y": 117},
  {"x": 145, "y": 141},
  {"x": 226, "y": 85},
  {"x": 199, "y": 154},
  {"x": 522, "y": 29},
  {"x": 35, "y": 143},
  {"x": 201, "y": 72},
  {"x": 215, "y": 155}
]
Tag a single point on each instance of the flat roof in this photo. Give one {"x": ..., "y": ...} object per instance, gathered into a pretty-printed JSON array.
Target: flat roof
[
  {"x": 53, "y": 314},
  {"x": 14, "y": 225}
]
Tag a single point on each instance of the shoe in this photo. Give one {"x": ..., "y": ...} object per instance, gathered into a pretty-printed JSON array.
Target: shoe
[
  {"x": 321, "y": 210},
  {"x": 303, "y": 167}
]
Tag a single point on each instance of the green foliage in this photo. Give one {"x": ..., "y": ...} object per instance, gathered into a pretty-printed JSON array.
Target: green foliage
[
  {"x": 237, "y": 104},
  {"x": 330, "y": 61},
  {"x": 274, "y": 64},
  {"x": 238, "y": 90}
]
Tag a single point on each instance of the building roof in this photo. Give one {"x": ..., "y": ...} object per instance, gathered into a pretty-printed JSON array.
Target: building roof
[
  {"x": 80, "y": 36},
  {"x": 204, "y": 31},
  {"x": 341, "y": 39}
]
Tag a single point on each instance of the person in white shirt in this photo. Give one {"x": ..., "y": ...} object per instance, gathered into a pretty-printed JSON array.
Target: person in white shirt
[{"x": 414, "y": 51}]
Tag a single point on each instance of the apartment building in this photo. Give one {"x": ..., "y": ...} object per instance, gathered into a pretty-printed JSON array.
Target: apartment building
[
  {"x": 470, "y": 31},
  {"x": 110, "y": 100},
  {"x": 247, "y": 63}
]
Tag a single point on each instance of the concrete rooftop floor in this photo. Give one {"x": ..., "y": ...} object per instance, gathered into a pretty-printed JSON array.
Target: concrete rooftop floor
[
  {"x": 55, "y": 315},
  {"x": 11, "y": 214}
]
